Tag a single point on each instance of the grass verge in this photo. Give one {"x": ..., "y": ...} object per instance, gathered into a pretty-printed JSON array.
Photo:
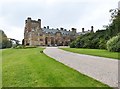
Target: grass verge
[{"x": 94, "y": 52}]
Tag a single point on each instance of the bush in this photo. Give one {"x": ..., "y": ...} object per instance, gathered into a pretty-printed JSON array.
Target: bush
[
  {"x": 72, "y": 44},
  {"x": 30, "y": 46},
  {"x": 102, "y": 44},
  {"x": 114, "y": 44},
  {"x": 20, "y": 47},
  {"x": 23, "y": 47}
]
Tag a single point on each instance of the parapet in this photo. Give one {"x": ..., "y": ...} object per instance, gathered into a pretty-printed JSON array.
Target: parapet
[{"x": 29, "y": 18}]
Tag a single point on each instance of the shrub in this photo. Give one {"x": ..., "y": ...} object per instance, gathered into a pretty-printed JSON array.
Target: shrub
[
  {"x": 72, "y": 44},
  {"x": 30, "y": 46},
  {"x": 114, "y": 44},
  {"x": 102, "y": 44},
  {"x": 24, "y": 47},
  {"x": 20, "y": 47}
]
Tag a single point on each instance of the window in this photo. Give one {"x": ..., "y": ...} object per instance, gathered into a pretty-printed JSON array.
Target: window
[
  {"x": 40, "y": 34},
  {"x": 41, "y": 39}
]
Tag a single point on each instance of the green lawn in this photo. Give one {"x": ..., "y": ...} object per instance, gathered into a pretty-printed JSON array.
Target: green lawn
[
  {"x": 95, "y": 52},
  {"x": 0, "y": 69},
  {"x": 30, "y": 68}
]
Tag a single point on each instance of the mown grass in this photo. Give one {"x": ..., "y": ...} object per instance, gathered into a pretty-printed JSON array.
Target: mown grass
[
  {"x": 0, "y": 68},
  {"x": 94, "y": 52},
  {"x": 30, "y": 68}
]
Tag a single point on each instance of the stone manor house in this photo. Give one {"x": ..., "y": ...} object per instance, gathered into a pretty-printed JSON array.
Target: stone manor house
[{"x": 34, "y": 35}]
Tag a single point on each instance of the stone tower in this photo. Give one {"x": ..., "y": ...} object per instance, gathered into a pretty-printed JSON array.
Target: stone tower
[{"x": 32, "y": 28}]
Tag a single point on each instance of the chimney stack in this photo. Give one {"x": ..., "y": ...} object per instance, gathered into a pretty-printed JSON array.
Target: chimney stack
[
  {"x": 61, "y": 28},
  {"x": 74, "y": 30},
  {"x": 83, "y": 30},
  {"x": 47, "y": 27},
  {"x": 44, "y": 27},
  {"x": 92, "y": 28}
]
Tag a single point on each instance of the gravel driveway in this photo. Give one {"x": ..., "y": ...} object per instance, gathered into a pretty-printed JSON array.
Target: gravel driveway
[{"x": 99, "y": 68}]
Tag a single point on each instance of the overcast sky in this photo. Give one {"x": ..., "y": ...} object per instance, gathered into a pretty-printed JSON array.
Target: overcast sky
[{"x": 54, "y": 13}]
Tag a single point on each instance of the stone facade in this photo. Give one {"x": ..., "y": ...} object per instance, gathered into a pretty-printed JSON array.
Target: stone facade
[{"x": 34, "y": 35}]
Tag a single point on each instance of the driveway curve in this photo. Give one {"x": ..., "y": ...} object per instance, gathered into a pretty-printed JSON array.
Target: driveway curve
[{"x": 99, "y": 68}]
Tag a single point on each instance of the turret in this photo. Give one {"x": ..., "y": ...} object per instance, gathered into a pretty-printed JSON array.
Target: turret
[
  {"x": 28, "y": 19},
  {"x": 39, "y": 20}
]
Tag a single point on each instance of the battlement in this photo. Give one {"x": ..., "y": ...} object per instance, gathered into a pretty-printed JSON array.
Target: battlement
[{"x": 33, "y": 21}]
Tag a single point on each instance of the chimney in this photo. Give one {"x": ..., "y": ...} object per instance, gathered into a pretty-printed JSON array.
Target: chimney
[
  {"x": 83, "y": 30},
  {"x": 65, "y": 30},
  {"x": 73, "y": 30},
  {"x": 61, "y": 28},
  {"x": 39, "y": 20},
  {"x": 92, "y": 28},
  {"x": 44, "y": 27},
  {"x": 47, "y": 27}
]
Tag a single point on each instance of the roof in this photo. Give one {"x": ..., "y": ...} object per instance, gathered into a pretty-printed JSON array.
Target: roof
[
  {"x": 85, "y": 32},
  {"x": 53, "y": 31}
]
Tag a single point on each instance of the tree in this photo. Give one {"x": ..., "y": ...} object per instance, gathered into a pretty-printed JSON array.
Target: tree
[
  {"x": 4, "y": 42},
  {"x": 114, "y": 27}
]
